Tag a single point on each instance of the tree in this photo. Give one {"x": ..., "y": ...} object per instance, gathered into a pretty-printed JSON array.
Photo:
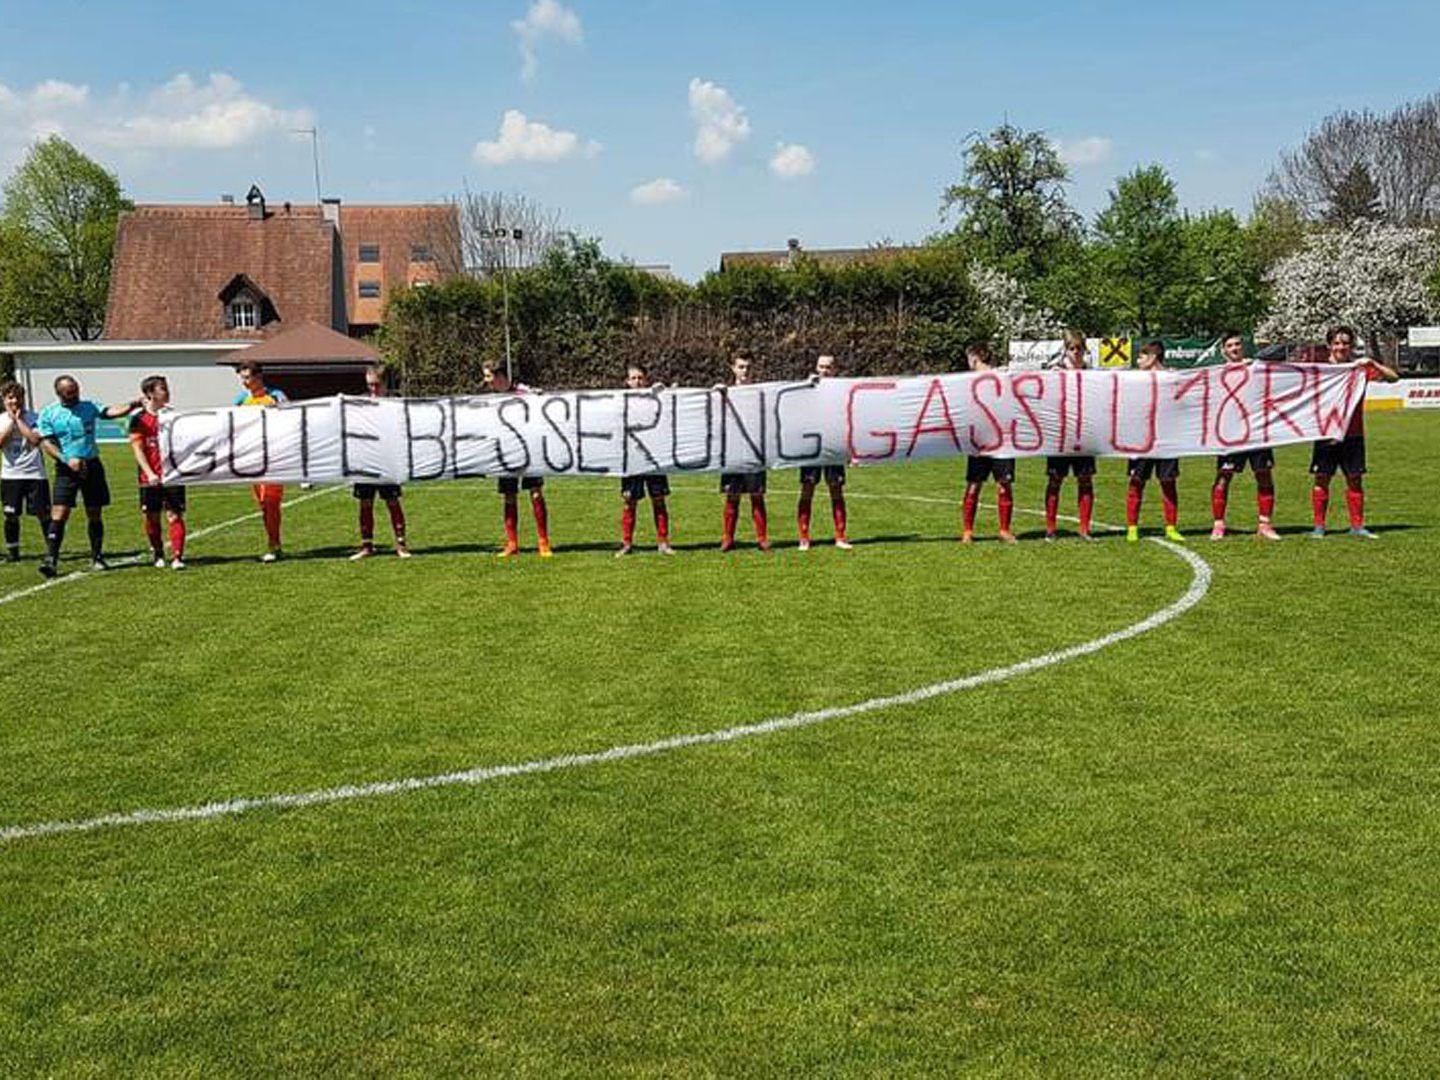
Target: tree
[
  {"x": 1007, "y": 303},
  {"x": 488, "y": 222},
  {"x": 1221, "y": 280},
  {"x": 1400, "y": 150},
  {"x": 1277, "y": 228},
  {"x": 1139, "y": 251},
  {"x": 1372, "y": 276},
  {"x": 1011, "y": 201},
  {"x": 57, "y": 237},
  {"x": 1355, "y": 198}
]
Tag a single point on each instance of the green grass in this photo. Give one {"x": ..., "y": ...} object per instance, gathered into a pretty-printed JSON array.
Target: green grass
[{"x": 1206, "y": 851}]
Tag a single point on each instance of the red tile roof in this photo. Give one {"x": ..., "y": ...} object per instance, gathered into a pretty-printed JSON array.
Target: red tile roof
[{"x": 307, "y": 344}]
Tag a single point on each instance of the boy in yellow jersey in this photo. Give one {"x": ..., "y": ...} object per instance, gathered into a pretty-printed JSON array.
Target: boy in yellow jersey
[{"x": 268, "y": 496}]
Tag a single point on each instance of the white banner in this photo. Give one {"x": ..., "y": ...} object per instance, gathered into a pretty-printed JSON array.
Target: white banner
[{"x": 1119, "y": 413}]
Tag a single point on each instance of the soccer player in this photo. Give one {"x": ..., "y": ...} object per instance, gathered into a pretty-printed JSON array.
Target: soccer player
[
  {"x": 388, "y": 493},
  {"x": 981, "y": 467},
  {"x": 1166, "y": 470},
  {"x": 268, "y": 496},
  {"x": 1348, "y": 454},
  {"x": 497, "y": 381},
  {"x": 736, "y": 484},
  {"x": 67, "y": 434},
  {"x": 1261, "y": 462},
  {"x": 23, "y": 485},
  {"x": 635, "y": 488},
  {"x": 154, "y": 495},
  {"x": 1057, "y": 467},
  {"x": 834, "y": 476}
]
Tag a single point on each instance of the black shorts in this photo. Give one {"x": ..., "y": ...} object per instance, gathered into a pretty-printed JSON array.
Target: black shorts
[
  {"x": 979, "y": 468},
  {"x": 1079, "y": 464},
  {"x": 26, "y": 496},
  {"x": 1162, "y": 468},
  {"x": 656, "y": 485},
  {"x": 91, "y": 485},
  {"x": 1348, "y": 455},
  {"x": 1259, "y": 460},
  {"x": 511, "y": 485},
  {"x": 383, "y": 492},
  {"x": 155, "y": 497},
  {"x": 743, "y": 483},
  {"x": 833, "y": 474}
]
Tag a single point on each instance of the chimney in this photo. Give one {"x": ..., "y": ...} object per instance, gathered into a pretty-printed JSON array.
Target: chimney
[
  {"x": 255, "y": 202},
  {"x": 227, "y": 200},
  {"x": 330, "y": 211}
]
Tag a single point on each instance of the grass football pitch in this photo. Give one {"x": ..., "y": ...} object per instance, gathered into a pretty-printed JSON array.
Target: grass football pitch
[{"x": 1209, "y": 848}]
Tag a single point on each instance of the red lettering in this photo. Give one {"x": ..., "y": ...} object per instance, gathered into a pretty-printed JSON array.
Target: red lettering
[
  {"x": 1202, "y": 380},
  {"x": 1017, "y": 386},
  {"x": 1233, "y": 379},
  {"x": 1271, "y": 404},
  {"x": 947, "y": 426},
  {"x": 1152, "y": 407},
  {"x": 1079, "y": 410},
  {"x": 1333, "y": 422},
  {"x": 855, "y": 454},
  {"x": 988, "y": 379},
  {"x": 1063, "y": 432}
]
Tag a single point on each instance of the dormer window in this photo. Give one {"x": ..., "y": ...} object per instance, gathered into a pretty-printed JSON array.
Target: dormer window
[
  {"x": 242, "y": 313},
  {"x": 246, "y": 305}
]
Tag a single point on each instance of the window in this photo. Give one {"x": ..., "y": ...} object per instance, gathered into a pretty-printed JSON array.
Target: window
[
  {"x": 421, "y": 253},
  {"x": 369, "y": 290},
  {"x": 369, "y": 253},
  {"x": 240, "y": 313}
]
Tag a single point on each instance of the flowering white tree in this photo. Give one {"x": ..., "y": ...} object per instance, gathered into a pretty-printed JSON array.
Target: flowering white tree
[
  {"x": 1006, "y": 300},
  {"x": 1370, "y": 276}
]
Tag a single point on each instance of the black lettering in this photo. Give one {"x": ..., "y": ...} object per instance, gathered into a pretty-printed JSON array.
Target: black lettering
[
  {"x": 346, "y": 435},
  {"x": 811, "y": 437},
  {"x": 411, "y": 438},
  {"x": 304, "y": 408},
  {"x": 559, "y": 434},
  {"x": 524, "y": 407},
  {"x": 699, "y": 463},
  {"x": 207, "y": 455},
  {"x": 264, "y": 446},
  {"x": 457, "y": 437},
  {"x": 757, "y": 448},
  {"x": 581, "y": 434},
  {"x": 632, "y": 431}
]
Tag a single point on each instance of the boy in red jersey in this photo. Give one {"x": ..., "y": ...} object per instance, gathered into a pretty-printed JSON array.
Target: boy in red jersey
[
  {"x": 1166, "y": 470},
  {"x": 981, "y": 467},
  {"x": 1261, "y": 462},
  {"x": 1057, "y": 466},
  {"x": 736, "y": 484},
  {"x": 389, "y": 493},
  {"x": 1347, "y": 454},
  {"x": 155, "y": 496},
  {"x": 496, "y": 381},
  {"x": 834, "y": 476},
  {"x": 635, "y": 488},
  {"x": 268, "y": 496}
]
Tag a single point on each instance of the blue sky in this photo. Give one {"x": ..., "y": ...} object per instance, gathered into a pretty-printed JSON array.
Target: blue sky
[{"x": 676, "y": 129}]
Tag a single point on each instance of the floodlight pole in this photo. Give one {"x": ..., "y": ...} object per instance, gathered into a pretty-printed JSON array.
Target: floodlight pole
[
  {"x": 314, "y": 134},
  {"x": 505, "y": 303}
]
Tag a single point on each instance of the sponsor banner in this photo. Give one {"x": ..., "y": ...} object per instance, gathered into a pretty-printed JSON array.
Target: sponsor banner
[
  {"x": 1122, "y": 352},
  {"x": 1122, "y": 413},
  {"x": 1405, "y": 394}
]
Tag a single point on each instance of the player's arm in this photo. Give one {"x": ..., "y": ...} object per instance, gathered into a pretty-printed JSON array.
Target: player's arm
[
  {"x": 29, "y": 434},
  {"x": 50, "y": 448},
  {"x": 119, "y": 409},
  {"x": 137, "y": 447},
  {"x": 1386, "y": 374}
]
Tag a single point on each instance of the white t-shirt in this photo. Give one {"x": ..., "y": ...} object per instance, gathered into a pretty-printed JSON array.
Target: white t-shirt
[{"x": 18, "y": 459}]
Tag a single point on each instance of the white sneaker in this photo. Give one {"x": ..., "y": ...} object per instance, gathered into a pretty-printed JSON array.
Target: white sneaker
[
  {"x": 177, "y": 564},
  {"x": 364, "y": 553},
  {"x": 270, "y": 556},
  {"x": 803, "y": 545},
  {"x": 159, "y": 562},
  {"x": 843, "y": 544}
]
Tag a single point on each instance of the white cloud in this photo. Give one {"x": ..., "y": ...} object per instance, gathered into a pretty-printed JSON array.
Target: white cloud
[
  {"x": 720, "y": 122},
  {"x": 1091, "y": 150},
  {"x": 546, "y": 18},
  {"x": 180, "y": 115},
  {"x": 530, "y": 140},
  {"x": 792, "y": 161},
  {"x": 657, "y": 191}
]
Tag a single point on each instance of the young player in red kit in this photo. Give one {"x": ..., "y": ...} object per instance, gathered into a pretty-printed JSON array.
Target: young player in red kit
[
  {"x": 981, "y": 467},
  {"x": 736, "y": 484},
  {"x": 1166, "y": 470},
  {"x": 155, "y": 496},
  {"x": 1348, "y": 454},
  {"x": 834, "y": 476},
  {"x": 509, "y": 487},
  {"x": 389, "y": 494},
  {"x": 1261, "y": 462},
  {"x": 635, "y": 488},
  {"x": 1057, "y": 466}
]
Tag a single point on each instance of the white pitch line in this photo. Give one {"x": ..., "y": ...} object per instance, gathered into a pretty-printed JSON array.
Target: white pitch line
[
  {"x": 1199, "y": 585},
  {"x": 135, "y": 560}
]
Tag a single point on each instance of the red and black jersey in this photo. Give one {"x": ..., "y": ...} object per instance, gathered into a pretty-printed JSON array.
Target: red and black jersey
[
  {"x": 1357, "y": 418},
  {"x": 145, "y": 429}
]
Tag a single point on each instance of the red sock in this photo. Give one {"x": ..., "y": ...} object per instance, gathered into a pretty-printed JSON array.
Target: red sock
[
  {"x": 153, "y": 534},
  {"x": 1265, "y": 502},
  {"x": 627, "y": 524},
  {"x": 662, "y": 520},
  {"x": 732, "y": 515},
  {"x": 1007, "y": 507},
  {"x": 1087, "y": 504},
  {"x": 542, "y": 518},
  {"x": 367, "y": 522},
  {"x": 1219, "y": 495},
  {"x": 837, "y": 514},
  {"x": 1133, "y": 495},
  {"x": 512, "y": 523},
  {"x": 757, "y": 515},
  {"x": 177, "y": 538},
  {"x": 397, "y": 519},
  {"x": 1355, "y": 503},
  {"x": 802, "y": 514},
  {"x": 270, "y": 514},
  {"x": 1170, "y": 502},
  {"x": 1319, "y": 505},
  {"x": 1052, "y": 506},
  {"x": 967, "y": 511}
]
